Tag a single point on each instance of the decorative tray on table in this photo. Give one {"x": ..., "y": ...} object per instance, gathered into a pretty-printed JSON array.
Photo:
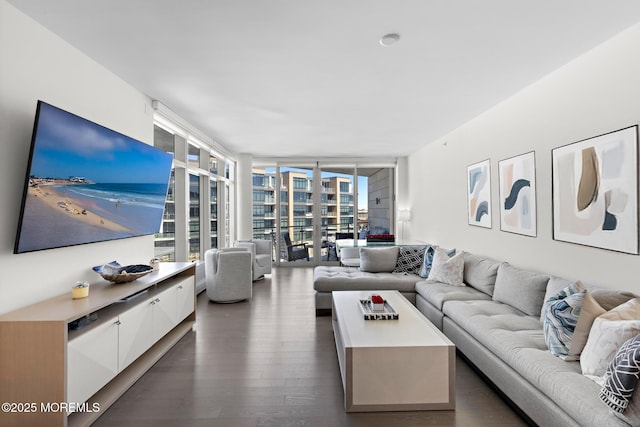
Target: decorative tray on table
[{"x": 385, "y": 313}]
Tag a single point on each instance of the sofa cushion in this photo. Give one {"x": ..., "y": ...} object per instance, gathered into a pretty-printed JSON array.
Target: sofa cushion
[
  {"x": 445, "y": 269},
  {"x": 437, "y": 293},
  {"x": 521, "y": 289},
  {"x": 482, "y": 318},
  {"x": 327, "y": 279},
  {"x": 518, "y": 340},
  {"x": 410, "y": 259},
  {"x": 568, "y": 318},
  {"x": 378, "y": 260},
  {"x": 480, "y": 272},
  {"x": 608, "y": 333}
]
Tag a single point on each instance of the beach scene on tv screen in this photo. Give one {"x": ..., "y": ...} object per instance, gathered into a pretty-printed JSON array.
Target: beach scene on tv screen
[{"x": 88, "y": 184}]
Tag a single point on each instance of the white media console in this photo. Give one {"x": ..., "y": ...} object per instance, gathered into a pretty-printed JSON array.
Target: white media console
[{"x": 54, "y": 375}]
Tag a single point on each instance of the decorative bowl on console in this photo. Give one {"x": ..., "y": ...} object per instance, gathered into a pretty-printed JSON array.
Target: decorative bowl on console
[{"x": 114, "y": 272}]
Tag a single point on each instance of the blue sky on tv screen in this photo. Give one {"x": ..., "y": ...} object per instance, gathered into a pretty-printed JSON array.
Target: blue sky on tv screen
[{"x": 68, "y": 145}]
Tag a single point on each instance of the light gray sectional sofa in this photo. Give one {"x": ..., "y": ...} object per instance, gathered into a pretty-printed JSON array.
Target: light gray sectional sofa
[
  {"x": 495, "y": 322},
  {"x": 328, "y": 279},
  {"x": 378, "y": 264}
]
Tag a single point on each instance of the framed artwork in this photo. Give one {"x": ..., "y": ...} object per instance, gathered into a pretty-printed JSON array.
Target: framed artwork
[
  {"x": 479, "y": 194},
  {"x": 518, "y": 194},
  {"x": 595, "y": 191}
]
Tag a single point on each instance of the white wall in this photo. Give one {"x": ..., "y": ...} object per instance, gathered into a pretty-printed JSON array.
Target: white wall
[
  {"x": 36, "y": 64},
  {"x": 597, "y": 93}
]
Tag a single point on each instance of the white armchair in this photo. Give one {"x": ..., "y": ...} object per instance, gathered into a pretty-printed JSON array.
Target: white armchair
[
  {"x": 350, "y": 257},
  {"x": 260, "y": 256},
  {"x": 228, "y": 274}
]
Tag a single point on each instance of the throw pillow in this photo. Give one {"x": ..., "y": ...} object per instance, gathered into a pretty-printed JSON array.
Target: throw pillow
[
  {"x": 410, "y": 259},
  {"x": 428, "y": 260},
  {"x": 568, "y": 318},
  {"x": 621, "y": 377},
  {"x": 447, "y": 270},
  {"x": 378, "y": 260},
  {"x": 608, "y": 333},
  {"x": 521, "y": 289},
  {"x": 555, "y": 285}
]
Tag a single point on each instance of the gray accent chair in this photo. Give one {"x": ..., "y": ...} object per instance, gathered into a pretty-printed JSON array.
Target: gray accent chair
[
  {"x": 261, "y": 254},
  {"x": 228, "y": 274}
]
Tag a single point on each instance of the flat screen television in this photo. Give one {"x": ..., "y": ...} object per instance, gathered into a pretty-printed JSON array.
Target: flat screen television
[{"x": 86, "y": 183}]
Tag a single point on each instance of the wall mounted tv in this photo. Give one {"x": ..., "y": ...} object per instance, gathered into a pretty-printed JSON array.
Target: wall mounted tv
[{"x": 86, "y": 183}]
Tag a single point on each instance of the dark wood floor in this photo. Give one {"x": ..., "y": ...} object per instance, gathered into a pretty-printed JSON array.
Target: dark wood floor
[{"x": 271, "y": 362}]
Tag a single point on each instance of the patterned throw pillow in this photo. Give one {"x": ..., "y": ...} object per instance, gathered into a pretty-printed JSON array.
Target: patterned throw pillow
[
  {"x": 410, "y": 259},
  {"x": 561, "y": 314},
  {"x": 447, "y": 270},
  {"x": 621, "y": 377}
]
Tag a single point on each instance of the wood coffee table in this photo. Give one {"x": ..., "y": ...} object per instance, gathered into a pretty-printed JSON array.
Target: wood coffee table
[{"x": 391, "y": 365}]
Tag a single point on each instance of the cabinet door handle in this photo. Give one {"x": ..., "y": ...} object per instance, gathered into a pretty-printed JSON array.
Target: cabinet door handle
[
  {"x": 157, "y": 299},
  {"x": 180, "y": 287},
  {"x": 118, "y": 322}
]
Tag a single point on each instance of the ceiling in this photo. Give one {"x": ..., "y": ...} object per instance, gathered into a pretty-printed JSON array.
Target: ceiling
[{"x": 301, "y": 78}]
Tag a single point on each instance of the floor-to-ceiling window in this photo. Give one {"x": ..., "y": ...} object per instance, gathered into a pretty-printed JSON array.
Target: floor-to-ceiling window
[
  {"x": 200, "y": 203},
  {"x": 164, "y": 245},
  {"x": 213, "y": 201},
  {"x": 194, "y": 218}
]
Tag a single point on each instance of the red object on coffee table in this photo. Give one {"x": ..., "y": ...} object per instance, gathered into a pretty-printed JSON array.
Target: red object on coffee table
[{"x": 377, "y": 299}]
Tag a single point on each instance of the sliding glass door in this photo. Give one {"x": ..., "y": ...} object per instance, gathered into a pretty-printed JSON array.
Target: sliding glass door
[{"x": 304, "y": 209}]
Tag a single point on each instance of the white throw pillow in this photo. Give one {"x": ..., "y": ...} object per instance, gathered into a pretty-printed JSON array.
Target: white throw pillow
[
  {"x": 608, "y": 332},
  {"x": 447, "y": 270}
]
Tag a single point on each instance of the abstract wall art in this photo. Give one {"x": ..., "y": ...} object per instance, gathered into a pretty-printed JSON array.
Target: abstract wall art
[
  {"x": 479, "y": 194},
  {"x": 595, "y": 191},
  {"x": 518, "y": 194}
]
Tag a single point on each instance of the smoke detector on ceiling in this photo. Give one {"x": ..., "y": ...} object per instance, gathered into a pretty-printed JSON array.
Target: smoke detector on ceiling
[{"x": 389, "y": 39}]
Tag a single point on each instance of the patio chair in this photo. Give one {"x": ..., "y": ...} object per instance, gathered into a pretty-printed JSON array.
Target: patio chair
[{"x": 292, "y": 252}]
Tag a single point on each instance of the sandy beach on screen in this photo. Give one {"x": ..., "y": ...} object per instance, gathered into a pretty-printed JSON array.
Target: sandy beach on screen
[{"x": 62, "y": 203}]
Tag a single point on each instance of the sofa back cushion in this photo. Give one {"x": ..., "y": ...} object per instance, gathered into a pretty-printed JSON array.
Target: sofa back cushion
[
  {"x": 480, "y": 272},
  {"x": 378, "y": 260},
  {"x": 521, "y": 289}
]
